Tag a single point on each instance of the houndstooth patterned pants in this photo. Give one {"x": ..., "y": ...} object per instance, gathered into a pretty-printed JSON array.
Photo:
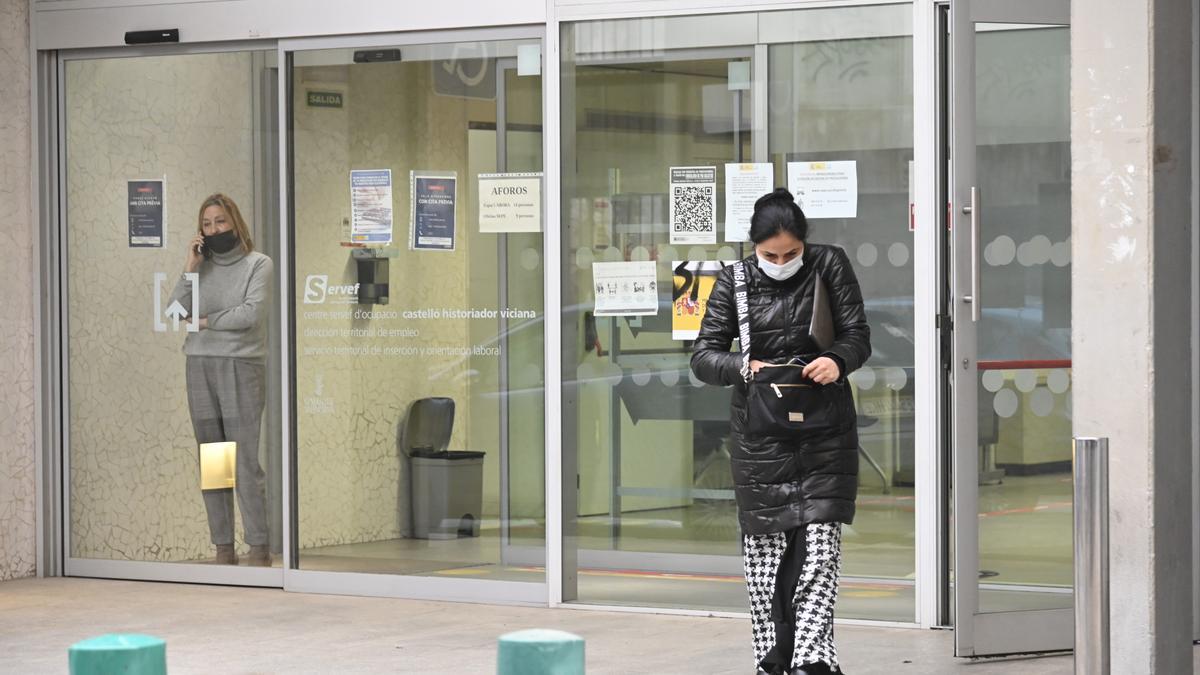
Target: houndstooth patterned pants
[{"x": 816, "y": 592}]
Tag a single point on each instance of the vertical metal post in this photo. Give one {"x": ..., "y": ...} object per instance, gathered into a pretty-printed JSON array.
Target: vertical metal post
[{"x": 1091, "y": 556}]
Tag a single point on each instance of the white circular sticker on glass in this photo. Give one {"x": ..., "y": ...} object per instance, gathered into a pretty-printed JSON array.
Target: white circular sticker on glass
[
  {"x": 530, "y": 259},
  {"x": 1026, "y": 380},
  {"x": 894, "y": 378},
  {"x": 696, "y": 382},
  {"x": 863, "y": 378},
  {"x": 898, "y": 254},
  {"x": 867, "y": 255},
  {"x": 639, "y": 254},
  {"x": 993, "y": 380},
  {"x": 612, "y": 254},
  {"x": 1059, "y": 381},
  {"x": 613, "y": 375},
  {"x": 668, "y": 253},
  {"x": 1060, "y": 253},
  {"x": 1040, "y": 248},
  {"x": 1041, "y": 402},
  {"x": 697, "y": 253},
  {"x": 669, "y": 377},
  {"x": 1001, "y": 251},
  {"x": 727, "y": 253},
  {"x": 584, "y": 258},
  {"x": 1025, "y": 255},
  {"x": 642, "y": 376},
  {"x": 1005, "y": 403}
]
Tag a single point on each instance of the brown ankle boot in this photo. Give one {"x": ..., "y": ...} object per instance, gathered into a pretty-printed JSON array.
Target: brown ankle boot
[
  {"x": 259, "y": 556},
  {"x": 226, "y": 555}
]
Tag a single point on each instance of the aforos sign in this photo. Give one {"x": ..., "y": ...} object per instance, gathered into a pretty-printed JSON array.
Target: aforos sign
[{"x": 317, "y": 290}]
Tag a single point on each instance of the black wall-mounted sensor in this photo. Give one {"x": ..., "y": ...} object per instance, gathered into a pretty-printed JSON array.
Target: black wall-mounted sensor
[
  {"x": 149, "y": 37},
  {"x": 376, "y": 55}
]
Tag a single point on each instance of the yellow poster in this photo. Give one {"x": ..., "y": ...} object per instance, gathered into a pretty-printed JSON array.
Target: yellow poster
[{"x": 692, "y": 283}]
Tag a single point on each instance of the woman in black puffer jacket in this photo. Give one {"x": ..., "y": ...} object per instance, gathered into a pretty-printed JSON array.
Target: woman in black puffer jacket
[{"x": 792, "y": 495}]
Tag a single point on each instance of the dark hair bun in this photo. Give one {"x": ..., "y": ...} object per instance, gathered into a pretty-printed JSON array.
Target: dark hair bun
[{"x": 775, "y": 212}]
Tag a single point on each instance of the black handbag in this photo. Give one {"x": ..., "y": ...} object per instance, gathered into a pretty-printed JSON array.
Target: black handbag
[{"x": 780, "y": 401}]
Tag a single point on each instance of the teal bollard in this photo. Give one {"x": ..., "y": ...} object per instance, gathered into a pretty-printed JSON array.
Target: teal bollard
[
  {"x": 119, "y": 655},
  {"x": 539, "y": 651}
]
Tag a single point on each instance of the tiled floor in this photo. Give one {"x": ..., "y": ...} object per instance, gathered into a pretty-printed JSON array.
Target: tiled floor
[{"x": 213, "y": 629}]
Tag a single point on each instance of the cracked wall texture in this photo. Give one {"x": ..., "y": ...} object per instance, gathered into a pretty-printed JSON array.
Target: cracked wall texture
[
  {"x": 134, "y": 474},
  {"x": 17, "y": 466}
]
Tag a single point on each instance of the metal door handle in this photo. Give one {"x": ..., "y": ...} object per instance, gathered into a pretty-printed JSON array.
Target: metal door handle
[{"x": 974, "y": 298}]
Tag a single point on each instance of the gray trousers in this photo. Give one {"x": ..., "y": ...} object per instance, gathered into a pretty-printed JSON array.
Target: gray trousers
[{"x": 225, "y": 399}]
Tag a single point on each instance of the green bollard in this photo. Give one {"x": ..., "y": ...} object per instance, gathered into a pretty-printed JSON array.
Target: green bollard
[
  {"x": 538, "y": 651},
  {"x": 120, "y": 654}
]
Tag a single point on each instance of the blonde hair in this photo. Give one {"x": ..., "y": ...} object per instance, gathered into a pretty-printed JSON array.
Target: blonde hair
[{"x": 232, "y": 212}]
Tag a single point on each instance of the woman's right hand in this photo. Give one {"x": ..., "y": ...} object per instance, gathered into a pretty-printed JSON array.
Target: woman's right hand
[
  {"x": 194, "y": 254},
  {"x": 756, "y": 365}
]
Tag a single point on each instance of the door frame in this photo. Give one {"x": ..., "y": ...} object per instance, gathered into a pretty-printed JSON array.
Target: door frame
[
  {"x": 980, "y": 633},
  {"x": 931, "y": 525},
  {"x": 390, "y": 585},
  {"x": 56, "y": 354},
  {"x": 614, "y": 558}
]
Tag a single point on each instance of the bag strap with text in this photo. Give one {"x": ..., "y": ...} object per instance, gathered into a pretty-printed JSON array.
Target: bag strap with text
[{"x": 741, "y": 298}]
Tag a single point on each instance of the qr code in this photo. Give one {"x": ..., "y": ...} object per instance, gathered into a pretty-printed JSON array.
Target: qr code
[{"x": 693, "y": 208}]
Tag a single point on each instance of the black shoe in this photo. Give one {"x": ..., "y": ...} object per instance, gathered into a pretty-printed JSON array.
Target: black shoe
[{"x": 818, "y": 668}]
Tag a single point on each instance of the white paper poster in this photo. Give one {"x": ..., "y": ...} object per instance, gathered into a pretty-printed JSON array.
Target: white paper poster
[
  {"x": 693, "y": 204},
  {"x": 825, "y": 189},
  {"x": 510, "y": 202},
  {"x": 625, "y": 288},
  {"x": 371, "y": 206},
  {"x": 744, "y": 184}
]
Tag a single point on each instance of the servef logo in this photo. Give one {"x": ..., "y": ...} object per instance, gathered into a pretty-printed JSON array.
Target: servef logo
[{"x": 315, "y": 289}]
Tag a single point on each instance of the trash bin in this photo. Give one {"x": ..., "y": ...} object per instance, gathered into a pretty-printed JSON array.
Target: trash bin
[
  {"x": 447, "y": 486},
  {"x": 447, "y": 495}
]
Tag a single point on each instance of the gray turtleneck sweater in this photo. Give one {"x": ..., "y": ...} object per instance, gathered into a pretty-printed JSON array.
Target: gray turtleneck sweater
[{"x": 235, "y": 290}]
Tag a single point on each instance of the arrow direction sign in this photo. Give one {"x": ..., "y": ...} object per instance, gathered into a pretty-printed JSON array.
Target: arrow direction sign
[
  {"x": 159, "y": 326},
  {"x": 176, "y": 312}
]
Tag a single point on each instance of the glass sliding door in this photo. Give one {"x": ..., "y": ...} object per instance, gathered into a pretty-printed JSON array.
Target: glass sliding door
[
  {"x": 419, "y": 384},
  {"x": 647, "y": 444},
  {"x": 1010, "y": 283},
  {"x": 167, "y": 350}
]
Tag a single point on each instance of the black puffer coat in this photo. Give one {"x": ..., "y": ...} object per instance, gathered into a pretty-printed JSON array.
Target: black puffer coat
[{"x": 780, "y": 486}]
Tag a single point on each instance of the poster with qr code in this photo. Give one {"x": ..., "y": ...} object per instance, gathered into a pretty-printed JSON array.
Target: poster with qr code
[{"x": 693, "y": 205}]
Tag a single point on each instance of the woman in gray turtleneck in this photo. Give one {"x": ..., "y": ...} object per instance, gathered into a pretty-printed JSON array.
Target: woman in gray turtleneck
[{"x": 226, "y": 352}]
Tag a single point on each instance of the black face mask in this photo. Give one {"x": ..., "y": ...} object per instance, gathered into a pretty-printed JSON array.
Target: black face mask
[{"x": 222, "y": 242}]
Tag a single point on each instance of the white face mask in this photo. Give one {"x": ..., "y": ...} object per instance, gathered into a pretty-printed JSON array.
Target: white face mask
[{"x": 781, "y": 272}]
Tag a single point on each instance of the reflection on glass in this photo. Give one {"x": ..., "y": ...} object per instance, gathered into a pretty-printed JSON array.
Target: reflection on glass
[
  {"x": 1023, "y": 160},
  {"x": 191, "y": 273},
  {"x": 655, "y": 522},
  {"x": 420, "y": 437}
]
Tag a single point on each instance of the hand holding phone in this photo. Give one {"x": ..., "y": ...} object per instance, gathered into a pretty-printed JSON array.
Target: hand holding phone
[{"x": 195, "y": 253}]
